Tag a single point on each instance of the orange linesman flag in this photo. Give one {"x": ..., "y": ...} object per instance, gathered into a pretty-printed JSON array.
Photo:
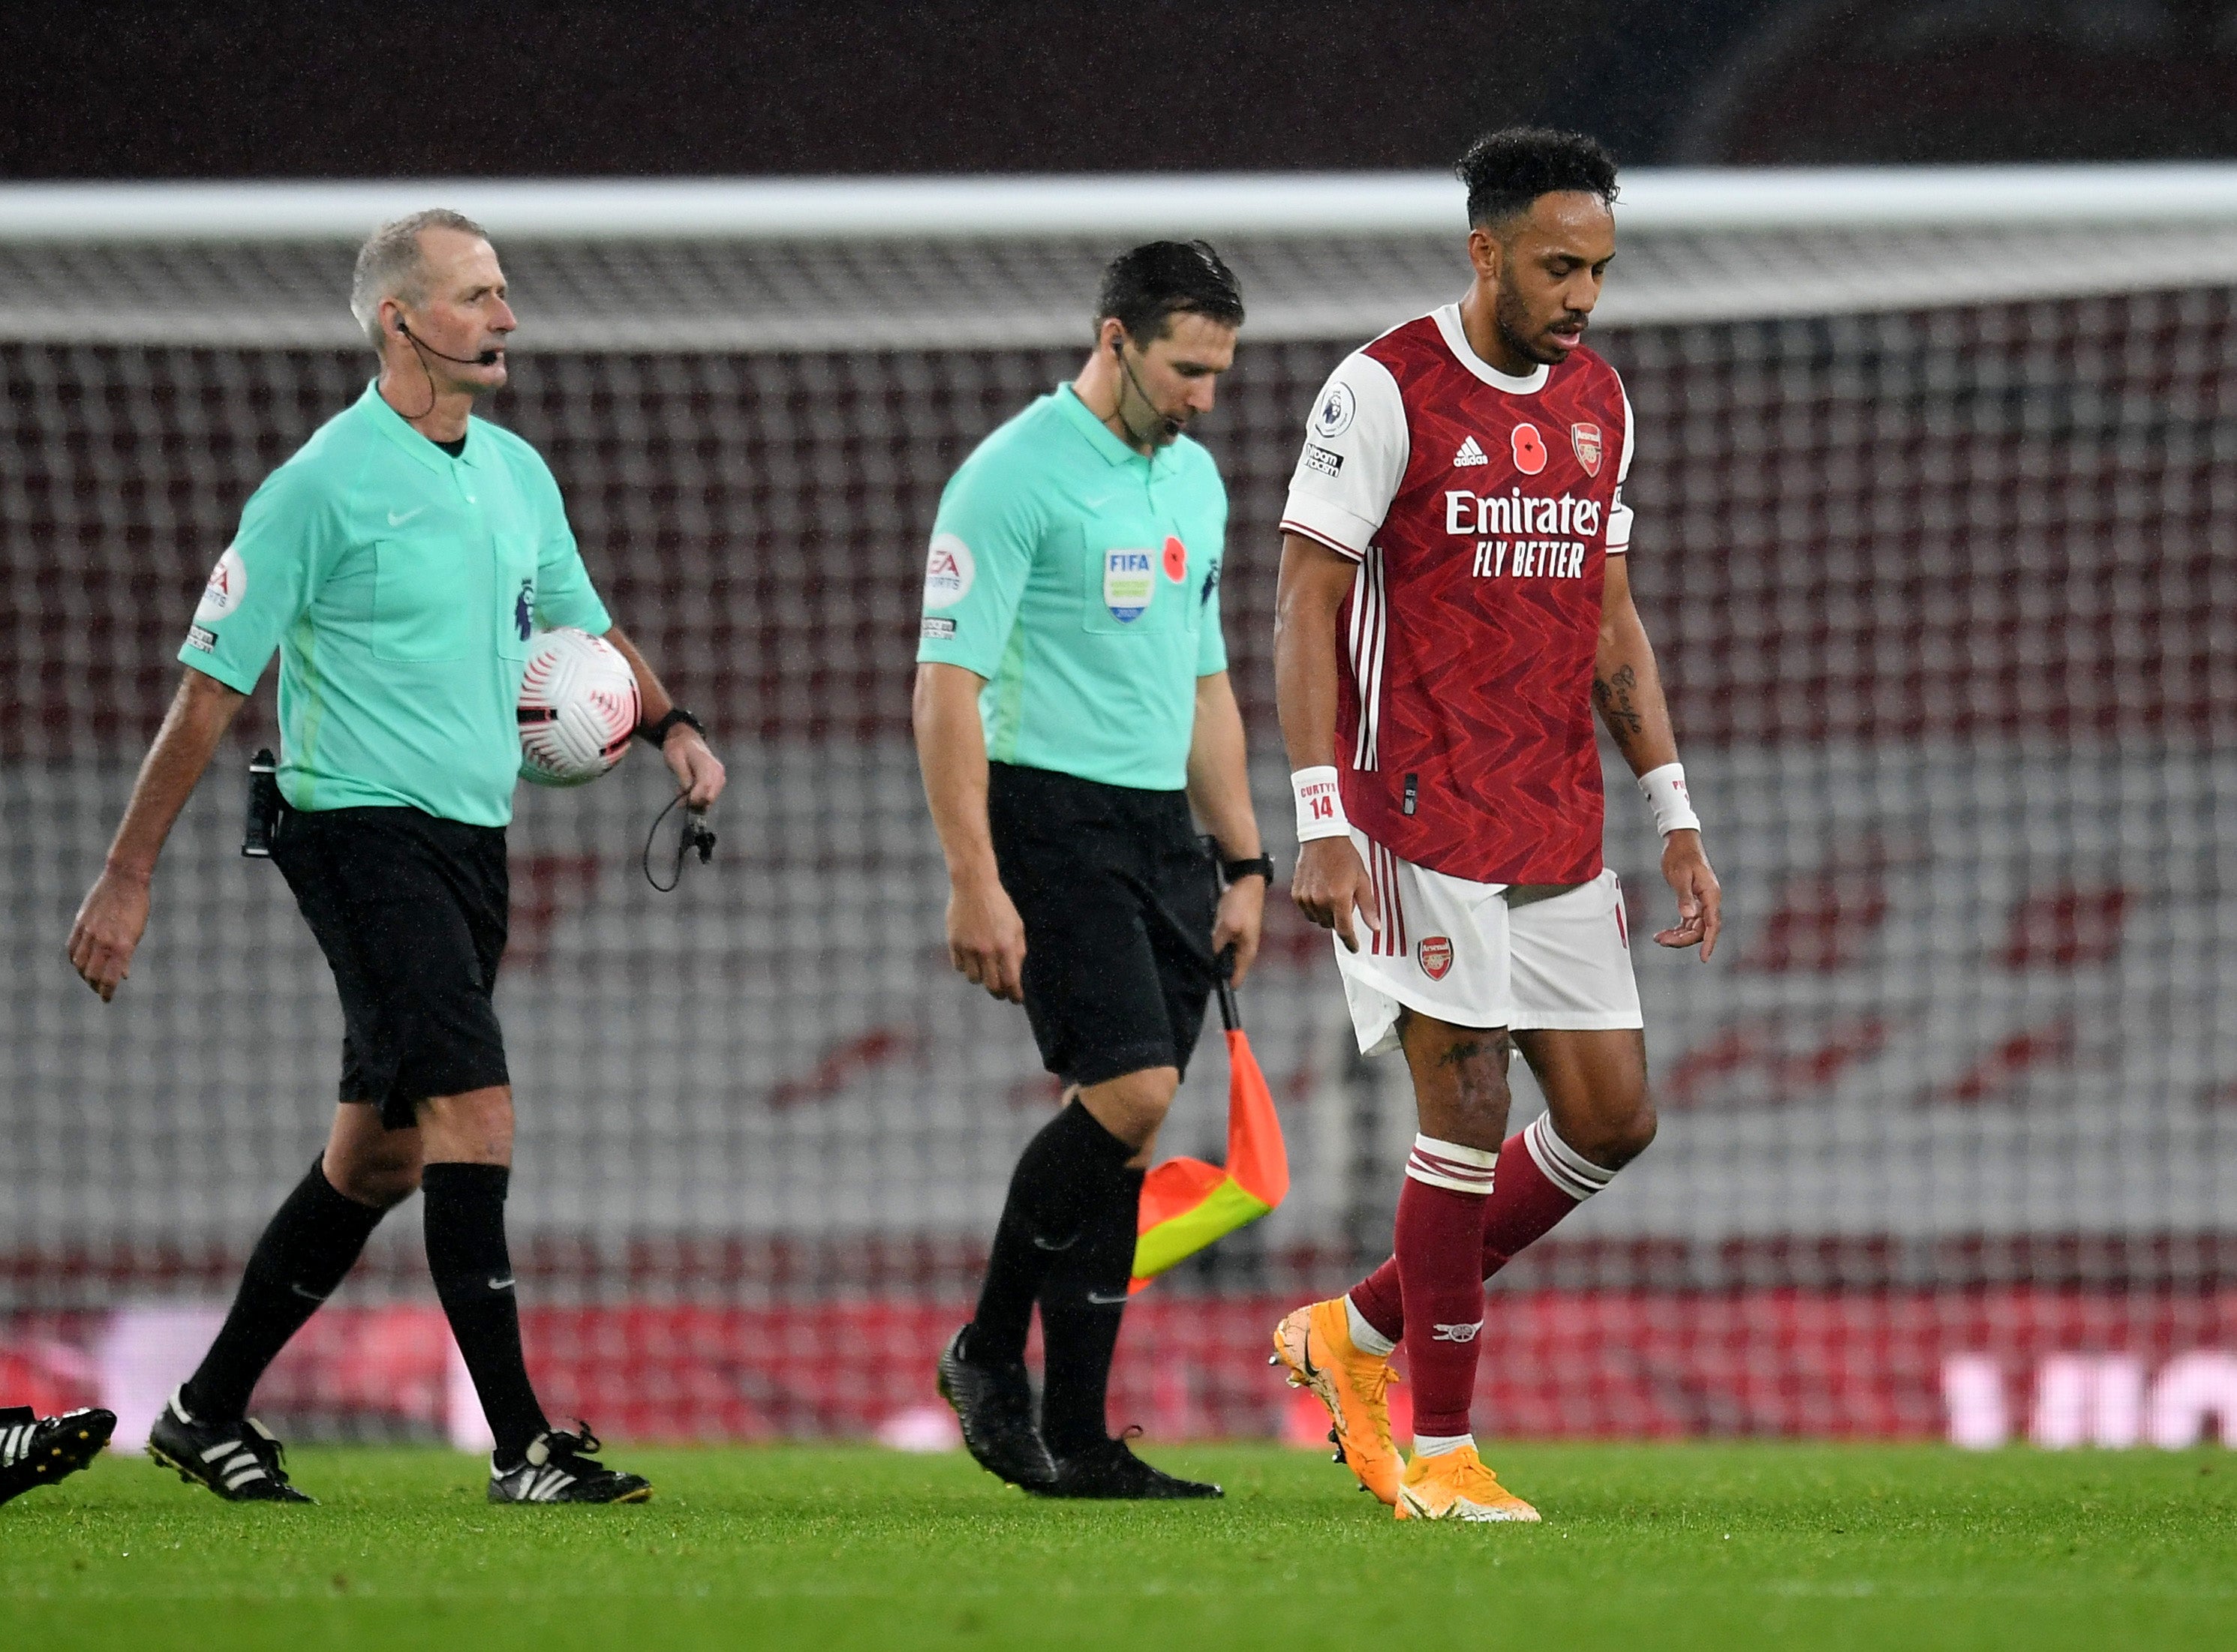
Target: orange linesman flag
[{"x": 1187, "y": 1204}]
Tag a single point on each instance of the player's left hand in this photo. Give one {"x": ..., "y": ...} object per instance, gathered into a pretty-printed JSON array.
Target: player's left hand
[
  {"x": 1241, "y": 920},
  {"x": 1701, "y": 897},
  {"x": 699, "y": 773}
]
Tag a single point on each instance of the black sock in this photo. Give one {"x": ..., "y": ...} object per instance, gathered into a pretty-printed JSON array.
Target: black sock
[
  {"x": 1057, "y": 1182},
  {"x": 473, "y": 1275},
  {"x": 1082, "y": 1298},
  {"x": 305, "y": 1251}
]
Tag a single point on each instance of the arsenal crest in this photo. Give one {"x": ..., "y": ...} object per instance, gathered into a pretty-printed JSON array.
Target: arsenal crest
[
  {"x": 1586, "y": 438},
  {"x": 1435, "y": 954}
]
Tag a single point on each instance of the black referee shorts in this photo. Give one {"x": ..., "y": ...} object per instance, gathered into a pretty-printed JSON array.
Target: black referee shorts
[
  {"x": 1116, "y": 892},
  {"x": 411, "y": 911}
]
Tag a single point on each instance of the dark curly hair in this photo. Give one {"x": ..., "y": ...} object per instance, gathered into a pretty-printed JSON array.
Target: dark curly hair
[
  {"x": 1145, "y": 287},
  {"x": 1505, "y": 171}
]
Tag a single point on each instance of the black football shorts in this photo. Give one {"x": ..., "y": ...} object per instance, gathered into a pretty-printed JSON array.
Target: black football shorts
[
  {"x": 409, "y": 910},
  {"x": 1116, "y": 891}
]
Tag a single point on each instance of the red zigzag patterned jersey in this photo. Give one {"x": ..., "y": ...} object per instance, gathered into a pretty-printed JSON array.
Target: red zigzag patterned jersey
[{"x": 1481, "y": 508}]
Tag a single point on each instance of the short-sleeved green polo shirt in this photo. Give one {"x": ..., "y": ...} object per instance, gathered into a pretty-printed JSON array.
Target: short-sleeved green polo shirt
[
  {"x": 1081, "y": 579},
  {"x": 400, "y": 586}
]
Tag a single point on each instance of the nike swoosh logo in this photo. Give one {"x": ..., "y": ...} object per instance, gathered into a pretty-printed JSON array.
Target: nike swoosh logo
[
  {"x": 308, "y": 1296},
  {"x": 1042, "y": 1244},
  {"x": 1103, "y": 1301},
  {"x": 397, "y": 519},
  {"x": 505, "y": 1284}
]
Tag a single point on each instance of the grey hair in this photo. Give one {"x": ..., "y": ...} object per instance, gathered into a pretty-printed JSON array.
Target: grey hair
[{"x": 390, "y": 264}]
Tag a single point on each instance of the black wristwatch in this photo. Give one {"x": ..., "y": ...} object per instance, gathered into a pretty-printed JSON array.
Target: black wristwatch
[
  {"x": 656, "y": 735},
  {"x": 1262, "y": 866}
]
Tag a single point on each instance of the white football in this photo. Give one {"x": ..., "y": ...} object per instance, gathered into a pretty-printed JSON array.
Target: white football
[{"x": 578, "y": 708}]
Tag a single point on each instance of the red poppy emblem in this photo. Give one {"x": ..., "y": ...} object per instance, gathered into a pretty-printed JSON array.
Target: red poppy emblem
[
  {"x": 1176, "y": 559},
  {"x": 1529, "y": 450},
  {"x": 1434, "y": 952},
  {"x": 1586, "y": 438}
]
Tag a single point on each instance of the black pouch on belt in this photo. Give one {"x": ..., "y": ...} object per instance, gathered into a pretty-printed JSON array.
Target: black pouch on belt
[{"x": 265, "y": 806}]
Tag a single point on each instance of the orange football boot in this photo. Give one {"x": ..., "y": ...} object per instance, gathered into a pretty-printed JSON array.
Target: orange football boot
[
  {"x": 1316, "y": 1343},
  {"x": 1456, "y": 1486}
]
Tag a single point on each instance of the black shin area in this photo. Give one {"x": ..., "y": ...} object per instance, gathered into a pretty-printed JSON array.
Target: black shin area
[
  {"x": 1082, "y": 1299},
  {"x": 1062, "y": 1177},
  {"x": 472, "y": 1269},
  {"x": 305, "y": 1251}
]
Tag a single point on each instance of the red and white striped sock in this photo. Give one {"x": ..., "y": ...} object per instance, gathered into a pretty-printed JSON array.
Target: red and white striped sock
[
  {"x": 1544, "y": 1179},
  {"x": 1439, "y": 1240},
  {"x": 1543, "y": 1183}
]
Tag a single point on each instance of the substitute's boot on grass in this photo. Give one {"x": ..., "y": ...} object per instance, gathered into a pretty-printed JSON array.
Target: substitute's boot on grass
[
  {"x": 993, "y": 1402},
  {"x": 1314, "y": 1343},
  {"x": 37, "y": 1451},
  {"x": 1456, "y": 1486},
  {"x": 558, "y": 1467},
  {"x": 240, "y": 1460},
  {"x": 1111, "y": 1471}
]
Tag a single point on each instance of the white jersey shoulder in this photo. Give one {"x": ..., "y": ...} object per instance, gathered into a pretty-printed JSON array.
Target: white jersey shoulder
[
  {"x": 1619, "y": 526},
  {"x": 1355, "y": 456}
]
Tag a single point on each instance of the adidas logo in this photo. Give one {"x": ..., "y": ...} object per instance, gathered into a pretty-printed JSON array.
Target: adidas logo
[{"x": 1469, "y": 454}]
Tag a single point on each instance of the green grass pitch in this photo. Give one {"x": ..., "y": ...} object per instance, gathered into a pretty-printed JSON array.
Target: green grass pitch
[{"x": 1708, "y": 1546}]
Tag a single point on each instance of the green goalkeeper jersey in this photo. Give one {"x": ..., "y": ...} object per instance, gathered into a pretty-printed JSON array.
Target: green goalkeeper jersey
[
  {"x": 1081, "y": 579},
  {"x": 400, "y": 586}
]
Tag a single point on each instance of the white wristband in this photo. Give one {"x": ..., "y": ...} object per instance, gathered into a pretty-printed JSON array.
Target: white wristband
[
  {"x": 1320, "y": 804},
  {"x": 1664, "y": 789}
]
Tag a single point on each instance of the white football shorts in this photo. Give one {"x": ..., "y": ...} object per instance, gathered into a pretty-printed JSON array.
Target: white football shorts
[{"x": 1487, "y": 955}]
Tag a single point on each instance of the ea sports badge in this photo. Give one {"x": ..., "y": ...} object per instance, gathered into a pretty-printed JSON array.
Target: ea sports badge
[
  {"x": 228, "y": 583},
  {"x": 1435, "y": 954},
  {"x": 1586, "y": 438},
  {"x": 948, "y": 570},
  {"x": 1128, "y": 584}
]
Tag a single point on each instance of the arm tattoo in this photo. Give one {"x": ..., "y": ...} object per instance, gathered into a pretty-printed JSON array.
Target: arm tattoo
[{"x": 1611, "y": 694}]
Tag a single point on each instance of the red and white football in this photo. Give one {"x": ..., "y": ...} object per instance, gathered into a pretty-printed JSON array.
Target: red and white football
[{"x": 579, "y": 709}]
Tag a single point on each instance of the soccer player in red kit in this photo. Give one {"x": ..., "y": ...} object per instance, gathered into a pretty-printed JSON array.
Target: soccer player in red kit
[{"x": 1454, "y": 604}]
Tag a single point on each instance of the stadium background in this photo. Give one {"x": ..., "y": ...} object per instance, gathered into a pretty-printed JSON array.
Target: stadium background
[{"x": 1938, "y": 508}]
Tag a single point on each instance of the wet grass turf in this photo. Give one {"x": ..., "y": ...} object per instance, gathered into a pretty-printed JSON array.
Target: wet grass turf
[{"x": 1709, "y": 1546}]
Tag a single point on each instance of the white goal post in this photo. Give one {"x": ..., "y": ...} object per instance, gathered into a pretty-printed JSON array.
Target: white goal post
[{"x": 643, "y": 266}]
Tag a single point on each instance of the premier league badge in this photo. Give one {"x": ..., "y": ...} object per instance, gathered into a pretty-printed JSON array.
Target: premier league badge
[{"x": 1338, "y": 409}]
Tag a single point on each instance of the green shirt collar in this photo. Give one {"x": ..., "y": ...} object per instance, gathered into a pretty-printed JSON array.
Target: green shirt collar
[
  {"x": 1096, "y": 433},
  {"x": 392, "y": 424}
]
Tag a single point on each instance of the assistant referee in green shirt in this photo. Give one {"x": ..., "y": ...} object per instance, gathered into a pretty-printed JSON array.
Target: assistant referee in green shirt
[
  {"x": 399, "y": 563},
  {"x": 1072, "y": 704}
]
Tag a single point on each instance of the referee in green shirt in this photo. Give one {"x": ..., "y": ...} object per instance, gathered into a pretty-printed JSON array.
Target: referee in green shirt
[
  {"x": 1072, "y": 704},
  {"x": 399, "y": 563}
]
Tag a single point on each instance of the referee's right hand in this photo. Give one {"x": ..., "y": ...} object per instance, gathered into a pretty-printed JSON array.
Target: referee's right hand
[
  {"x": 986, "y": 938},
  {"x": 107, "y": 932}
]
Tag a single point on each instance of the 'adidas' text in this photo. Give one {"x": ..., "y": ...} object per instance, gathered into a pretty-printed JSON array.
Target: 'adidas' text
[{"x": 1469, "y": 454}]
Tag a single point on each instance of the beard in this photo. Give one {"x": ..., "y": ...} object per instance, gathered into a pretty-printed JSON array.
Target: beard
[{"x": 1512, "y": 320}]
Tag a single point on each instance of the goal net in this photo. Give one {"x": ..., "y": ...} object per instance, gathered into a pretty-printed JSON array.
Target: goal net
[{"x": 1937, "y": 486}]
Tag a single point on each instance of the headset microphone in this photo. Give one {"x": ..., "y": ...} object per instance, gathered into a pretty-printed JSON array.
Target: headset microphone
[
  {"x": 1166, "y": 422},
  {"x": 487, "y": 359}
]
